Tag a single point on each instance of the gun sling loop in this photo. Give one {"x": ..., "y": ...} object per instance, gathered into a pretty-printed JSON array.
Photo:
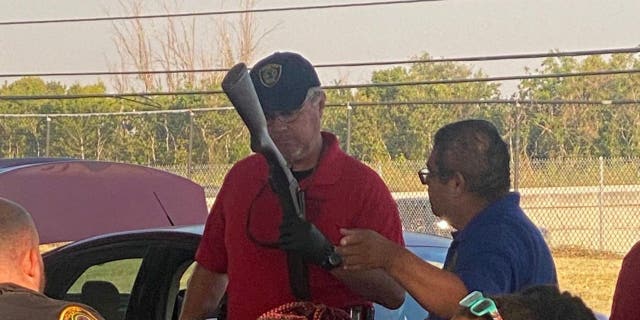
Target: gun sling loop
[{"x": 298, "y": 269}]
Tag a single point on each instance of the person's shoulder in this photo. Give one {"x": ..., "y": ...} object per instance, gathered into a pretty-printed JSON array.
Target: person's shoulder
[
  {"x": 633, "y": 256},
  {"x": 509, "y": 228},
  {"x": 340, "y": 162},
  {"x": 507, "y": 216},
  {"x": 365, "y": 177},
  {"x": 253, "y": 163},
  {"x": 30, "y": 303},
  {"x": 250, "y": 161},
  {"x": 358, "y": 168},
  {"x": 76, "y": 311},
  {"x": 356, "y": 165}
]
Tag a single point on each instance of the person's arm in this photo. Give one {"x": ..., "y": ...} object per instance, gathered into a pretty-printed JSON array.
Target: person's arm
[
  {"x": 378, "y": 211},
  {"x": 436, "y": 290},
  {"x": 204, "y": 292},
  {"x": 303, "y": 237},
  {"x": 375, "y": 285},
  {"x": 74, "y": 310}
]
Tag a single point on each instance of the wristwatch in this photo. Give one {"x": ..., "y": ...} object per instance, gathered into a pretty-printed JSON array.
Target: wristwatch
[{"x": 332, "y": 260}]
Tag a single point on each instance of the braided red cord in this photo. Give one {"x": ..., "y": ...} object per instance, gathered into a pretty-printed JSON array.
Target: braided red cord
[{"x": 304, "y": 311}]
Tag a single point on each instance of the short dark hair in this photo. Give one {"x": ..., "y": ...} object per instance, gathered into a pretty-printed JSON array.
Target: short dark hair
[
  {"x": 475, "y": 149},
  {"x": 541, "y": 302},
  {"x": 16, "y": 226},
  {"x": 546, "y": 302}
]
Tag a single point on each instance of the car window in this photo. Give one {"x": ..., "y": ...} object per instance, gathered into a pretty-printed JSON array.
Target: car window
[
  {"x": 219, "y": 313},
  {"x": 121, "y": 273},
  {"x": 107, "y": 287},
  {"x": 184, "y": 280},
  {"x": 186, "y": 275}
]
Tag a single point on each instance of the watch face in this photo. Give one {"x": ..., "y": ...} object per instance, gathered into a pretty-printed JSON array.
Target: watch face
[{"x": 335, "y": 259}]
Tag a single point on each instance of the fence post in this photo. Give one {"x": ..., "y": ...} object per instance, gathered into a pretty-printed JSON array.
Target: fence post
[
  {"x": 349, "y": 109},
  {"x": 190, "y": 144},
  {"x": 48, "y": 133},
  {"x": 600, "y": 203},
  {"x": 516, "y": 151}
]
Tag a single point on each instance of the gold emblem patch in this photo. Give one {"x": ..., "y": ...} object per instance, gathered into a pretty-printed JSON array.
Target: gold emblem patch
[
  {"x": 76, "y": 312},
  {"x": 270, "y": 74}
]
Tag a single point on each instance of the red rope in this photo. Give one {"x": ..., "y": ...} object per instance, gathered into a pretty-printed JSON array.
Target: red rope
[{"x": 304, "y": 311}]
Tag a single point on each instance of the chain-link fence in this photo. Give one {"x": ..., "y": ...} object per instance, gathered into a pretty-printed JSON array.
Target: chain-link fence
[{"x": 591, "y": 203}]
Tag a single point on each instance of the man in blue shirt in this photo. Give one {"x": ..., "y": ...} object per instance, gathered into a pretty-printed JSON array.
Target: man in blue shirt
[{"x": 496, "y": 248}]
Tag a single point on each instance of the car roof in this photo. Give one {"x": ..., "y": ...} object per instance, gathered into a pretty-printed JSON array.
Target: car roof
[
  {"x": 75, "y": 199},
  {"x": 14, "y": 162}
]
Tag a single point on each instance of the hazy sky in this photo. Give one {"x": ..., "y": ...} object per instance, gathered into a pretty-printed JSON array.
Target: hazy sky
[{"x": 448, "y": 28}]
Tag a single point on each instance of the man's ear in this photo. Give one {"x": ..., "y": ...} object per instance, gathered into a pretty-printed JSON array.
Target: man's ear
[
  {"x": 34, "y": 261},
  {"x": 458, "y": 183},
  {"x": 33, "y": 268},
  {"x": 321, "y": 102}
]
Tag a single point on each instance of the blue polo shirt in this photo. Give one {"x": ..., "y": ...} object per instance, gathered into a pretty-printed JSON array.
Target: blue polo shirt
[{"x": 501, "y": 251}]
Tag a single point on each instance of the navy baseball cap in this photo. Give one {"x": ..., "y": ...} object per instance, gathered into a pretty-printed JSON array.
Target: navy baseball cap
[{"x": 282, "y": 81}]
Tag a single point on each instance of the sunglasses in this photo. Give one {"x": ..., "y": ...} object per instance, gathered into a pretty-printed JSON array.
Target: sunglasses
[
  {"x": 290, "y": 115},
  {"x": 285, "y": 116},
  {"x": 425, "y": 174},
  {"x": 479, "y": 306}
]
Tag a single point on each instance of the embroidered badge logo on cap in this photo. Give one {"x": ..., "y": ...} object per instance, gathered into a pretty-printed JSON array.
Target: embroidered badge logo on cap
[
  {"x": 270, "y": 74},
  {"x": 282, "y": 81}
]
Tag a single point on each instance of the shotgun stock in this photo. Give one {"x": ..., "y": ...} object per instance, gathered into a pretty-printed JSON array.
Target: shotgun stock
[{"x": 239, "y": 88}]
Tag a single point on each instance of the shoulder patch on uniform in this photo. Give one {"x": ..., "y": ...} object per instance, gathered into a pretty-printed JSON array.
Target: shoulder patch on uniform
[{"x": 76, "y": 312}]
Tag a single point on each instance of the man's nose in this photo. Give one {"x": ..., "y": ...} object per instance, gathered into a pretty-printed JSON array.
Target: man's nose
[{"x": 277, "y": 124}]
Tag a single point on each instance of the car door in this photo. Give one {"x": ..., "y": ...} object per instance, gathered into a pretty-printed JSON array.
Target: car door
[
  {"x": 432, "y": 249},
  {"x": 125, "y": 276}
]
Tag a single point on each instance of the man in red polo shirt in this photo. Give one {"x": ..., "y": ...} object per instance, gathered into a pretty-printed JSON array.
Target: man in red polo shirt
[
  {"x": 627, "y": 292},
  {"x": 241, "y": 249}
]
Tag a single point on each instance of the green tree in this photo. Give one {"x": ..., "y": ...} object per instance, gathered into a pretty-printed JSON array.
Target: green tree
[
  {"x": 581, "y": 130},
  {"x": 402, "y": 130},
  {"x": 22, "y": 136}
]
